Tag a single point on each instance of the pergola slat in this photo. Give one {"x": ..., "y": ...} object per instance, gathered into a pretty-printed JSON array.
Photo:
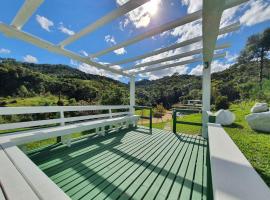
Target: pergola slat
[
  {"x": 224, "y": 30},
  {"x": 13, "y": 32},
  {"x": 124, "y": 9},
  {"x": 220, "y": 55},
  {"x": 25, "y": 12},
  {"x": 160, "y": 29},
  {"x": 174, "y": 57}
]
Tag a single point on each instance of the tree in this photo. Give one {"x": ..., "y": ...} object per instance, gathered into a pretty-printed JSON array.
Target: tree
[
  {"x": 257, "y": 48},
  {"x": 22, "y": 91}
]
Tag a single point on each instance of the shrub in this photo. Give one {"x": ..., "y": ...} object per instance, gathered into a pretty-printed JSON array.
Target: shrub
[
  {"x": 3, "y": 103},
  {"x": 159, "y": 111},
  {"x": 221, "y": 103}
]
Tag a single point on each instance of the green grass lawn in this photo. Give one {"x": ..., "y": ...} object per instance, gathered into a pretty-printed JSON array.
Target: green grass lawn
[
  {"x": 33, "y": 101},
  {"x": 254, "y": 145}
]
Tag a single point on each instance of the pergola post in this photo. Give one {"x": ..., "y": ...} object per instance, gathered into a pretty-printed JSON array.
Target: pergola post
[
  {"x": 132, "y": 95},
  {"x": 206, "y": 97}
]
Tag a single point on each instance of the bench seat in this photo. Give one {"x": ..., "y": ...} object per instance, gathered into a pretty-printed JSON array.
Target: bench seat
[
  {"x": 21, "y": 179},
  {"x": 24, "y": 137},
  {"x": 233, "y": 177}
]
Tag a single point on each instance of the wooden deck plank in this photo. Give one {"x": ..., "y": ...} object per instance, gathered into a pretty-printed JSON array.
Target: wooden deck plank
[
  {"x": 135, "y": 162},
  {"x": 188, "y": 180},
  {"x": 103, "y": 167},
  {"x": 161, "y": 172},
  {"x": 132, "y": 164},
  {"x": 96, "y": 179},
  {"x": 142, "y": 171},
  {"x": 168, "y": 182},
  {"x": 198, "y": 175},
  {"x": 180, "y": 178}
]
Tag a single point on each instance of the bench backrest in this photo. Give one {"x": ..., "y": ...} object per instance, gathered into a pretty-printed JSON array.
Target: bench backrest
[{"x": 110, "y": 112}]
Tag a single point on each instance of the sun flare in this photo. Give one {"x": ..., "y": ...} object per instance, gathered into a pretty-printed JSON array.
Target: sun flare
[{"x": 152, "y": 7}]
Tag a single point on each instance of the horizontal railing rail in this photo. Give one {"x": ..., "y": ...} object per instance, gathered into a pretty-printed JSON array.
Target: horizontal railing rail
[
  {"x": 189, "y": 111},
  {"x": 54, "y": 109},
  {"x": 112, "y": 111}
]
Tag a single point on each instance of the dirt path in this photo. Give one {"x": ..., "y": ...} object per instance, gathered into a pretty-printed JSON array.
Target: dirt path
[{"x": 165, "y": 118}]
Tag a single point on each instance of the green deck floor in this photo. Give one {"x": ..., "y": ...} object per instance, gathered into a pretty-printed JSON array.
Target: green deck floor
[{"x": 131, "y": 164}]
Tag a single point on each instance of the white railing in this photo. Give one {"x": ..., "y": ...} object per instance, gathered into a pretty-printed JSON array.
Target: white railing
[{"x": 61, "y": 120}]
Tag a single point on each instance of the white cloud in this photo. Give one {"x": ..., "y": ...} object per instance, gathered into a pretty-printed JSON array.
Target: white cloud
[
  {"x": 192, "y": 5},
  {"x": 65, "y": 30},
  {"x": 120, "y": 51},
  {"x": 258, "y": 11},
  {"x": 165, "y": 72},
  {"x": 216, "y": 66},
  {"x": 110, "y": 39},
  {"x": 141, "y": 16},
  {"x": 30, "y": 59},
  {"x": 44, "y": 22},
  {"x": 93, "y": 70},
  {"x": 188, "y": 31},
  {"x": 4, "y": 51}
]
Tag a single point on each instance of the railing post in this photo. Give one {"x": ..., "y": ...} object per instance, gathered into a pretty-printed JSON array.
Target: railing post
[
  {"x": 110, "y": 112},
  {"x": 206, "y": 97},
  {"x": 151, "y": 120},
  {"x": 132, "y": 95},
  {"x": 66, "y": 139},
  {"x": 174, "y": 121},
  {"x": 62, "y": 117}
]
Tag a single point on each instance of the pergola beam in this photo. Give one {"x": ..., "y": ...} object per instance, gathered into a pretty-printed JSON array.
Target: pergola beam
[
  {"x": 175, "y": 57},
  {"x": 224, "y": 30},
  {"x": 165, "y": 27},
  {"x": 220, "y": 55},
  {"x": 13, "y": 32},
  {"x": 25, "y": 12},
  {"x": 124, "y": 9}
]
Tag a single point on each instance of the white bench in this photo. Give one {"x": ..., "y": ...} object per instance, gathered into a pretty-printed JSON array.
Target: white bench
[
  {"x": 76, "y": 124},
  {"x": 233, "y": 177},
  {"x": 20, "y": 178}
]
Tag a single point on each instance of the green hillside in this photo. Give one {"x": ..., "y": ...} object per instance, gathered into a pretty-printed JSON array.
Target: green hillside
[{"x": 28, "y": 81}]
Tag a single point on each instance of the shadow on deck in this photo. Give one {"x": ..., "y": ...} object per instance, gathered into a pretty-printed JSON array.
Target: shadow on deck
[{"x": 129, "y": 164}]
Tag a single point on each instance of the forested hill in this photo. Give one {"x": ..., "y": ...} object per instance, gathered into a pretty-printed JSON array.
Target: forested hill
[{"x": 19, "y": 79}]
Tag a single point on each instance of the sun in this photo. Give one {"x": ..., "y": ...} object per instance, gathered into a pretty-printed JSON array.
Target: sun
[{"x": 152, "y": 7}]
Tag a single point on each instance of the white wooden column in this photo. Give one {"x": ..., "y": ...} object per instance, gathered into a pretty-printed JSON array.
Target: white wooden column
[
  {"x": 132, "y": 94},
  {"x": 206, "y": 97}
]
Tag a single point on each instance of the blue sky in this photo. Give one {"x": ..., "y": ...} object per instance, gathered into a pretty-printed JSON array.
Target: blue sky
[{"x": 56, "y": 20}]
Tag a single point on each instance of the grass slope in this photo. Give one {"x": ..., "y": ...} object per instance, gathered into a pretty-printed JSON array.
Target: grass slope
[{"x": 254, "y": 145}]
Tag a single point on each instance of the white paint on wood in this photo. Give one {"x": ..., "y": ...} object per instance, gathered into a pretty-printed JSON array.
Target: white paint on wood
[
  {"x": 25, "y": 12},
  {"x": 160, "y": 29},
  {"x": 18, "y": 34},
  {"x": 132, "y": 95},
  {"x": 227, "y": 29},
  {"x": 40, "y": 183},
  {"x": 174, "y": 57},
  {"x": 127, "y": 7},
  {"x": 206, "y": 97},
  {"x": 233, "y": 177},
  {"x": 176, "y": 64},
  {"x": 12, "y": 182}
]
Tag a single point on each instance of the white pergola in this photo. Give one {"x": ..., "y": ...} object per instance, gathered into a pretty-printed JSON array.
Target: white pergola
[{"x": 210, "y": 14}]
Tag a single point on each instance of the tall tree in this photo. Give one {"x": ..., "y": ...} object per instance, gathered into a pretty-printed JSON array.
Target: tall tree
[{"x": 257, "y": 48}]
